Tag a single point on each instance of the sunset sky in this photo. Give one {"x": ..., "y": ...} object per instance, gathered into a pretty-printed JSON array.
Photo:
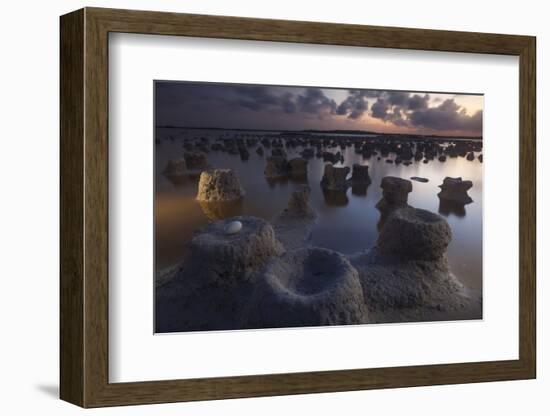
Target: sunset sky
[{"x": 267, "y": 107}]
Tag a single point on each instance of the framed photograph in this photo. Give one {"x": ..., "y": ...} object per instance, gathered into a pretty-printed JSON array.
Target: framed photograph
[{"x": 260, "y": 207}]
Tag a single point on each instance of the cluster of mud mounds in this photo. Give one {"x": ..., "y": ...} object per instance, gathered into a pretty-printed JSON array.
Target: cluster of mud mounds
[{"x": 265, "y": 274}]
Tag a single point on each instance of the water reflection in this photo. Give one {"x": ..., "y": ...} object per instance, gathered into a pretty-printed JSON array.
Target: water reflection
[
  {"x": 215, "y": 211},
  {"x": 447, "y": 208},
  {"x": 359, "y": 190},
  {"x": 273, "y": 182},
  {"x": 335, "y": 198},
  {"x": 177, "y": 180},
  {"x": 347, "y": 221},
  {"x": 299, "y": 179}
]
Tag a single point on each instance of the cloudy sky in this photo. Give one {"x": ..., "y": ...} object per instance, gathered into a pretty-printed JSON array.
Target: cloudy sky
[{"x": 298, "y": 108}]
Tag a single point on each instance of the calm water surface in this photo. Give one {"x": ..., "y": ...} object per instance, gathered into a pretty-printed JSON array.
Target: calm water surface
[{"x": 347, "y": 221}]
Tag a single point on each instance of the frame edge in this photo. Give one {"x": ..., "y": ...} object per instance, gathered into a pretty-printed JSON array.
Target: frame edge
[
  {"x": 528, "y": 208},
  {"x": 84, "y": 284},
  {"x": 71, "y": 291}
]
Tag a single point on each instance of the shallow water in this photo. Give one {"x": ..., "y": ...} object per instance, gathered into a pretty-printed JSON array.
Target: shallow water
[{"x": 347, "y": 221}]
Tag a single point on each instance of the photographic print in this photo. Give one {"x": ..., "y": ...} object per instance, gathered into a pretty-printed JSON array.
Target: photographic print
[{"x": 297, "y": 206}]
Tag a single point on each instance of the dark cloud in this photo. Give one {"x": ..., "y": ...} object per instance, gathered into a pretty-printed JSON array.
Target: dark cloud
[
  {"x": 211, "y": 104},
  {"x": 287, "y": 101},
  {"x": 391, "y": 103},
  {"x": 380, "y": 108},
  {"x": 314, "y": 101},
  {"x": 418, "y": 102},
  {"x": 406, "y": 109},
  {"x": 205, "y": 103},
  {"x": 256, "y": 98},
  {"x": 355, "y": 105},
  {"x": 397, "y": 116},
  {"x": 261, "y": 98},
  {"x": 447, "y": 116},
  {"x": 397, "y": 97},
  {"x": 372, "y": 93},
  {"x": 251, "y": 97},
  {"x": 388, "y": 105}
]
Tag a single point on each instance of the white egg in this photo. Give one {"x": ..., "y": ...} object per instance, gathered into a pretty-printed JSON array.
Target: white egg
[{"x": 233, "y": 227}]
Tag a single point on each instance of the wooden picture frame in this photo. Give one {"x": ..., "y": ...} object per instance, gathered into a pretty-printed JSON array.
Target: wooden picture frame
[{"x": 84, "y": 207}]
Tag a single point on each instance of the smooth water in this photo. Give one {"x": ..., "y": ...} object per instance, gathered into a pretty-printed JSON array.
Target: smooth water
[{"x": 347, "y": 221}]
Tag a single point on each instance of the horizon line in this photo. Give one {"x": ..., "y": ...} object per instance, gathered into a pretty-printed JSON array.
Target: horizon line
[{"x": 356, "y": 131}]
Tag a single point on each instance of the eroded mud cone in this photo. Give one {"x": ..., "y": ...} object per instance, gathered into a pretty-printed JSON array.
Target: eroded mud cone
[
  {"x": 455, "y": 190},
  {"x": 307, "y": 287},
  {"x": 219, "y": 185},
  {"x": 219, "y": 258},
  {"x": 335, "y": 179},
  {"x": 417, "y": 234}
]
